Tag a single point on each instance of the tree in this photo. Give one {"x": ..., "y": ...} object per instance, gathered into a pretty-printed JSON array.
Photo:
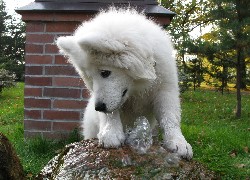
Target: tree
[
  {"x": 3, "y": 28},
  {"x": 232, "y": 21},
  {"x": 233, "y": 17},
  {"x": 190, "y": 15},
  {"x": 218, "y": 49},
  {"x": 195, "y": 71},
  {"x": 12, "y": 40}
]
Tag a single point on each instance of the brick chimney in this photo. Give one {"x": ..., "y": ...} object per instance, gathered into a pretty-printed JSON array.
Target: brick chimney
[{"x": 55, "y": 96}]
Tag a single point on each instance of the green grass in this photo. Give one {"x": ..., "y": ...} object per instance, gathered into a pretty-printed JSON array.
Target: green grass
[
  {"x": 34, "y": 153},
  {"x": 11, "y": 98},
  {"x": 219, "y": 140},
  {"x": 11, "y": 112}
]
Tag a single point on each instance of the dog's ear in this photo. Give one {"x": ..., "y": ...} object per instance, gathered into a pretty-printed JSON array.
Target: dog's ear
[
  {"x": 100, "y": 43},
  {"x": 69, "y": 47},
  {"x": 66, "y": 44},
  {"x": 147, "y": 74},
  {"x": 142, "y": 69}
]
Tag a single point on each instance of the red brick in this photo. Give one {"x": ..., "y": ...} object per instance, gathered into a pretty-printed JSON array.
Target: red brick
[
  {"x": 32, "y": 134},
  {"x": 62, "y": 92},
  {"x": 80, "y": 17},
  {"x": 61, "y": 115},
  {"x": 51, "y": 48},
  {"x": 56, "y": 135},
  {"x": 46, "y": 134},
  {"x": 33, "y": 70},
  {"x": 85, "y": 93},
  {"x": 34, "y": 48},
  {"x": 37, "y": 16},
  {"x": 32, "y": 114},
  {"x": 60, "y": 70},
  {"x": 37, "y": 103},
  {"x": 161, "y": 20},
  {"x": 38, "y": 81},
  {"x": 61, "y": 26},
  {"x": 35, "y": 27},
  {"x": 69, "y": 104},
  {"x": 42, "y": 16},
  {"x": 65, "y": 126},
  {"x": 38, "y": 59},
  {"x": 39, "y": 38},
  {"x": 33, "y": 92},
  {"x": 61, "y": 60},
  {"x": 68, "y": 81},
  {"x": 37, "y": 125}
]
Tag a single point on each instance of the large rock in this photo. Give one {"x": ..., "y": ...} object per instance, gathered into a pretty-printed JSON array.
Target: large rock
[
  {"x": 86, "y": 160},
  {"x": 10, "y": 166}
]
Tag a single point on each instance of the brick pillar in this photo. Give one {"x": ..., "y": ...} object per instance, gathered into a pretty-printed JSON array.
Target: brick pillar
[{"x": 55, "y": 96}]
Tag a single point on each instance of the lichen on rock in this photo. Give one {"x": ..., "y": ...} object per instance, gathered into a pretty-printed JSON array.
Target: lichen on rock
[
  {"x": 87, "y": 160},
  {"x": 139, "y": 158}
]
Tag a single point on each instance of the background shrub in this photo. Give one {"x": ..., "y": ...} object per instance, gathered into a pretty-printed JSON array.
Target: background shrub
[{"x": 7, "y": 79}]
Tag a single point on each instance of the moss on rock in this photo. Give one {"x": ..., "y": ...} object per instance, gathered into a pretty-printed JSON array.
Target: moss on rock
[{"x": 85, "y": 159}]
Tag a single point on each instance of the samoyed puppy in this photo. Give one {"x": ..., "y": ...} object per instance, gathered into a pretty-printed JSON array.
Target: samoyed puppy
[{"x": 127, "y": 63}]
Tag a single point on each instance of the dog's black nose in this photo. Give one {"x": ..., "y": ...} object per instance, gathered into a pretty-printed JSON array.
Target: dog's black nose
[{"x": 100, "y": 107}]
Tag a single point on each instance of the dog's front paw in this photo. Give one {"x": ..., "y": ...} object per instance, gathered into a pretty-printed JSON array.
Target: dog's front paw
[
  {"x": 180, "y": 146},
  {"x": 111, "y": 138}
]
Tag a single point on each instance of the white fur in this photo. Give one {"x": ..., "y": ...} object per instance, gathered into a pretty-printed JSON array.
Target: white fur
[{"x": 139, "y": 55}]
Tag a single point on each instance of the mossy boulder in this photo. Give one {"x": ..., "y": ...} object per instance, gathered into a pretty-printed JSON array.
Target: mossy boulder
[{"x": 86, "y": 160}]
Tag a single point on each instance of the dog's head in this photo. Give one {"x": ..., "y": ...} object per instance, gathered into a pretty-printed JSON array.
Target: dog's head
[
  {"x": 109, "y": 85},
  {"x": 110, "y": 60}
]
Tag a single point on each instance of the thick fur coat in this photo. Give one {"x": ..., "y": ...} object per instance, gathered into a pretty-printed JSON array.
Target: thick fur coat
[{"x": 127, "y": 63}]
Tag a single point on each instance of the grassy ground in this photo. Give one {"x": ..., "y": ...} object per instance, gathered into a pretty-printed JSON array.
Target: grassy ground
[
  {"x": 219, "y": 141},
  {"x": 34, "y": 153}
]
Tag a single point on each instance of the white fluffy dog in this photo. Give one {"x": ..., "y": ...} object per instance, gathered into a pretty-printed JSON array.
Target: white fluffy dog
[{"x": 127, "y": 64}]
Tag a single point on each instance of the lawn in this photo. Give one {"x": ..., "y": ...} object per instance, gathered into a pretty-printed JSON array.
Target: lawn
[
  {"x": 34, "y": 153},
  {"x": 219, "y": 140}
]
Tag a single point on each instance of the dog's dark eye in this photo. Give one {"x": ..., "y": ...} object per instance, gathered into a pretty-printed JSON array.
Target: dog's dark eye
[{"x": 105, "y": 73}]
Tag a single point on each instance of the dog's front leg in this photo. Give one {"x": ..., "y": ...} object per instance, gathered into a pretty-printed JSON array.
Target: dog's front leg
[
  {"x": 111, "y": 131},
  {"x": 168, "y": 114}
]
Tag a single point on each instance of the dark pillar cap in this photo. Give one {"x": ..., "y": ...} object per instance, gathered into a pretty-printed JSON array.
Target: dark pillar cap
[{"x": 150, "y": 7}]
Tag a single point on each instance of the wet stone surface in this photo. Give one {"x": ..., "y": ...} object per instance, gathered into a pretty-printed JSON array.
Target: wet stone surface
[
  {"x": 86, "y": 160},
  {"x": 140, "y": 137}
]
